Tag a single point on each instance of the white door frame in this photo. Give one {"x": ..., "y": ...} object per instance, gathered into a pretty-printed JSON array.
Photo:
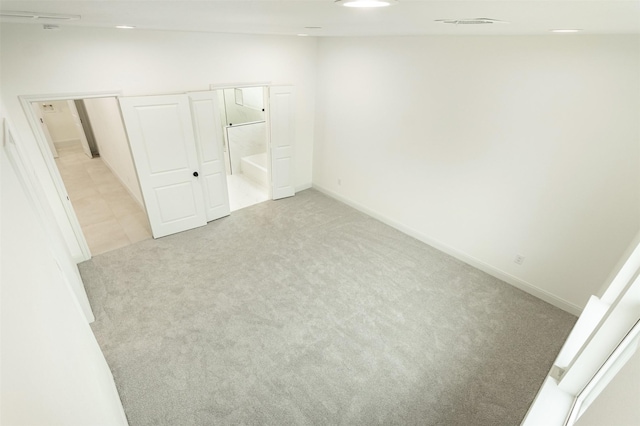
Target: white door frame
[
  {"x": 239, "y": 85},
  {"x": 49, "y": 161},
  {"x": 267, "y": 121},
  {"x": 69, "y": 271},
  {"x": 45, "y": 129},
  {"x": 267, "y": 118},
  {"x": 265, "y": 102}
]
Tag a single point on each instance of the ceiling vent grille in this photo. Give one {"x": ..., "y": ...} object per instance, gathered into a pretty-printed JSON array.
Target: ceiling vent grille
[
  {"x": 471, "y": 21},
  {"x": 38, "y": 15}
]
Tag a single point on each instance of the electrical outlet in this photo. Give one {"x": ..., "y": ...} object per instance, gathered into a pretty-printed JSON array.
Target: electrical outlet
[{"x": 519, "y": 259}]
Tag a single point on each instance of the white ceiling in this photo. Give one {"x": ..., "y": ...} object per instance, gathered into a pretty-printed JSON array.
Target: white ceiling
[{"x": 290, "y": 17}]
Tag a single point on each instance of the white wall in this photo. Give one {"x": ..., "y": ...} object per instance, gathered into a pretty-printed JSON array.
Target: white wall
[
  {"x": 141, "y": 62},
  {"x": 59, "y": 121},
  {"x": 113, "y": 145},
  {"x": 53, "y": 371},
  {"x": 488, "y": 147}
]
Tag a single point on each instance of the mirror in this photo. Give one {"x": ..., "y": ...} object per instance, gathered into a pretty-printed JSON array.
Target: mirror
[{"x": 243, "y": 105}]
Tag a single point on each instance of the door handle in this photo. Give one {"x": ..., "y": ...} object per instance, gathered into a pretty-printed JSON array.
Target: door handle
[{"x": 195, "y": 174}]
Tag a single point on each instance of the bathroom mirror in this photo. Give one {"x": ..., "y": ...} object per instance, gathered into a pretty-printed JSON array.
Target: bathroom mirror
[{"x": 243, "y": 105}]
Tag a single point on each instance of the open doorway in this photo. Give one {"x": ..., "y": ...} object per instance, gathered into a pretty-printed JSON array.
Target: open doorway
[
  {"x": 88, "y": 141},
  {"x": 184, "y": 131},
  {"x": 246, "y": 154}
]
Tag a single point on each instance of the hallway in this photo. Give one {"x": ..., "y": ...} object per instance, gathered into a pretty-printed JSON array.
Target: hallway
[{"x": 109, "y": 217}]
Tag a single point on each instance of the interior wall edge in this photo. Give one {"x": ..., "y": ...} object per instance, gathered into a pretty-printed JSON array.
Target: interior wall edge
[{"x": 479, "y": 264}]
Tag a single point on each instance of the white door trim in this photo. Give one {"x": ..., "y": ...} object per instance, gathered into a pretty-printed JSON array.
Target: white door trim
[
  {"x": 49, "y": 161},
  {"x": 267, "y": 88},
  {"x": 239, "y": 85},
  {"x": 45, "y": 130}
]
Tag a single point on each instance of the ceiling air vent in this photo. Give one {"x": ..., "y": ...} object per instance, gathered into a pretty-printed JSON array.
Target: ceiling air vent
[
  {"x": 38, "y": 15},
  {"x": 472, "y": 21}
]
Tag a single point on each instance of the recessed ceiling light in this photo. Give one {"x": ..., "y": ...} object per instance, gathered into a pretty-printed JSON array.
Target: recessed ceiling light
[
  {"x": 303, "y": 35},
  {"x": 125, "y": 27},
  {"x": 366, "y": 3},
  {"x": 576, "y": 30}
]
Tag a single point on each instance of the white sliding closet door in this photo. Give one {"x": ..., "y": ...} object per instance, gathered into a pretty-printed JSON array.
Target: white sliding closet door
[
  {"x": 282, "y": 116},
  {"x": 163, "y": 147},
  {"x": 207, "y": 129}
]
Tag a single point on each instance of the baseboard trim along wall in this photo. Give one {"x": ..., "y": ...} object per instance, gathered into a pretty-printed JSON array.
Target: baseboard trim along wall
[
  {"x": 62, "y": 142},
  {"x": 508, "y": 278},
  {"x": 303, "y": 187}
]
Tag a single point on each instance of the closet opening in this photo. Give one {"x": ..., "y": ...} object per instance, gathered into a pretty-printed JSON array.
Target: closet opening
[
  {"x": 87, "y": 140},
  {"x": 246, "y": 152}
]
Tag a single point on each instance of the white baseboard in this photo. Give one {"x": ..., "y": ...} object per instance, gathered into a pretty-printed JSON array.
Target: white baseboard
[
  {"x": 477, "y": 263},
  {"x": 66, "y": 141},
  {"x": 303, "y": 187}
]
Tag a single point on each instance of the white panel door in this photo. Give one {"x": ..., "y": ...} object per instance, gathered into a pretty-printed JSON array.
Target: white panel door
[
  {"x": 208, "y": 133},
  {"x": 164, "y": 152},
  {"x": 282, "y": 135}
]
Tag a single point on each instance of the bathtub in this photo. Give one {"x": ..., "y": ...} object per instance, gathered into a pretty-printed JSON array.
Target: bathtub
[{"x": 254, "y": 167}]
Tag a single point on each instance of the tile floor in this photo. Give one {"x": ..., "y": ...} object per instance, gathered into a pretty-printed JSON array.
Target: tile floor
[
  {"x": 243, "y": 192},
  {"x": 109, "y": 217}
]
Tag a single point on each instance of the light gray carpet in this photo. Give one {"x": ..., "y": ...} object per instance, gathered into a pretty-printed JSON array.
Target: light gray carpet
[{"x": 305, "y": 311}]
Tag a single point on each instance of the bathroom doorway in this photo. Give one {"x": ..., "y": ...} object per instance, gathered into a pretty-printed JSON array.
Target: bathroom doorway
[
  {"x": 90, "y": 149},
  {"x": 246, "y": 151}
]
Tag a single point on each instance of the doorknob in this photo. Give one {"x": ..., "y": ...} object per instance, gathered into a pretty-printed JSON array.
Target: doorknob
[{"x": 195, "y": 174}]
